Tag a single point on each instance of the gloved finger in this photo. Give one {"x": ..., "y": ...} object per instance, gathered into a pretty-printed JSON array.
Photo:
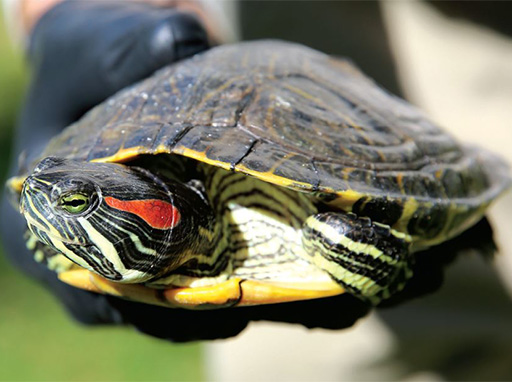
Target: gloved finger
[
  {"x": 160, "y": 42},
  {"x": 81, "y": 52}
]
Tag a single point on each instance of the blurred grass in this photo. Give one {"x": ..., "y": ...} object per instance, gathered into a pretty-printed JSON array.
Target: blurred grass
[{"x": 38, "y": 341}]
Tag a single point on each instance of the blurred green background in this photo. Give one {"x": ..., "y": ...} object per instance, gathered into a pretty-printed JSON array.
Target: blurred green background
[{"x": 38, "y": 341}]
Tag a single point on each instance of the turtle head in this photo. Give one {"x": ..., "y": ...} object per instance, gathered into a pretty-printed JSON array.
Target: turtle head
[{"x": 121, "y": 222}]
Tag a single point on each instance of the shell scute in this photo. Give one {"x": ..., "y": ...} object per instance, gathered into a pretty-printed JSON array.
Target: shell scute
[{"x": 288, "y": 115}]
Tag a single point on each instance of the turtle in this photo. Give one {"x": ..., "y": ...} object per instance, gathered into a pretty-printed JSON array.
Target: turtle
[{"x": 253, "y": 173}]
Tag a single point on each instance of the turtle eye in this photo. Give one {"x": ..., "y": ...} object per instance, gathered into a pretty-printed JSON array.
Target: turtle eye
[{"x": 74, "y": 203}]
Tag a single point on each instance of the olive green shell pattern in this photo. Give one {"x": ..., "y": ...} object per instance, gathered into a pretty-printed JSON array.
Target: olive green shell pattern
[{"x": 296, "y": 117}]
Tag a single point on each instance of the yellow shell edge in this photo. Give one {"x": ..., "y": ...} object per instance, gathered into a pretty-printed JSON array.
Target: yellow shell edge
[{"x": 233, "y": 292}]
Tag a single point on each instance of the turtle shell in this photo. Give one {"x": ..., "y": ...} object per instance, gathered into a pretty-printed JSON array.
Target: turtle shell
[{"x": 295, "y": 117}]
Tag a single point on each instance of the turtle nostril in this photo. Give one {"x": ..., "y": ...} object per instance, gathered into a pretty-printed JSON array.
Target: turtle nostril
[
  {"x": 34, "y": 184},
  {"x": 31, "y": 181},
  {"x": 28, "y": 184}
]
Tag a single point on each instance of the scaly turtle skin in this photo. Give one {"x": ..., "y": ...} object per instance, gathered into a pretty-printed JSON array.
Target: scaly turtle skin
[{"x": 253, "y": 173}]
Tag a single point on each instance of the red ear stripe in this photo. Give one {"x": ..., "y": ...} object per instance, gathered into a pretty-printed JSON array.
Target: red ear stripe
[{"x": 157, "y": 213}]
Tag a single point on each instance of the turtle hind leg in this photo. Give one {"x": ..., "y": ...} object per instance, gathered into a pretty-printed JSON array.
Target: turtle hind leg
[{"x": 370, "y": 260}]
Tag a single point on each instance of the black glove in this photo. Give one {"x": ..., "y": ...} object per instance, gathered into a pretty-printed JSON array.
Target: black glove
[{"x": 81, "y": 53}]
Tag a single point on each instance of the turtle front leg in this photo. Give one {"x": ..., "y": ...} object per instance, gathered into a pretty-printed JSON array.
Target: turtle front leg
[{"x": 370, "y": 260}]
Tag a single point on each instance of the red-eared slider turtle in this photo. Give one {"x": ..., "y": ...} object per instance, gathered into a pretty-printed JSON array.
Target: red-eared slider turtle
[{"x": 253, "y": 173}]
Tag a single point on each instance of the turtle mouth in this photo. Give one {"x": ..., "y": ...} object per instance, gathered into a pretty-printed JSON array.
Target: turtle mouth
[
  {"x": 90, "y": 257},
  {"x": 46, "y": 235}
]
